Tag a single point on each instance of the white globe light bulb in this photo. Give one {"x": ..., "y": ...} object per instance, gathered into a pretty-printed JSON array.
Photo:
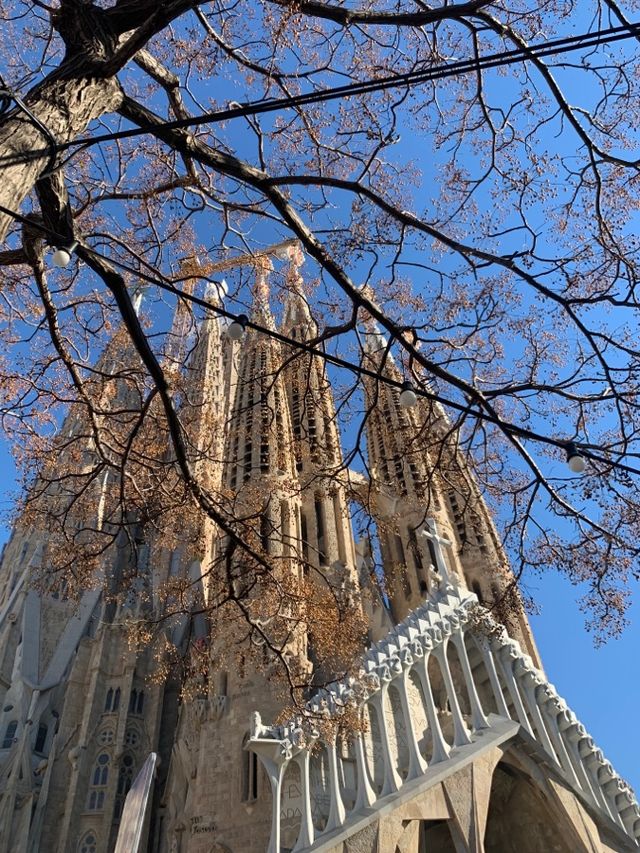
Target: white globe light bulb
[
  {"x": 61, "y": 258},
  {"x": 408, "y": 397},
  {"x": 577, "y": 464}
]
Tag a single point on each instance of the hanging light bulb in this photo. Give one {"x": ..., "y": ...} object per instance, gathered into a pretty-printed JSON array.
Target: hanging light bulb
[
  {"x": 62, "y": 255},
  {"x": 575, "y": 461},
  {"x": 235, "y": 330},
  {"x": 61, "y": 258},
  {"x": 408, "y": 397}
]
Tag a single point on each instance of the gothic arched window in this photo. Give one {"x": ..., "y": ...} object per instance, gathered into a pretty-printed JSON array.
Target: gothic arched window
[
  {"x": 415, "y": 548},
  {"x": 125, "y": 779},
  {"x": 96, "y": 801},
  {"x": 106, "y": 736},
  {"x": 88, "y": 843},
  {"x": 320, "y": 525},
  {"x": 112, "y": 702},
  {"x": 125, "y": 776},
  {"x": 41, "y": 738},
  {"x": 475, "y": 586},
  {"x": 99, "y": 779},
  {"x": 132, "y": 737},
  {"x": 101, "y": 770},
  {"x": 9, "y": 735},
  {"x": 136, "y": 701}
]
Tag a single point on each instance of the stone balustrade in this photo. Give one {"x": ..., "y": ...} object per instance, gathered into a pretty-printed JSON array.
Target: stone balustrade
[{"x": 432, "y": 685}]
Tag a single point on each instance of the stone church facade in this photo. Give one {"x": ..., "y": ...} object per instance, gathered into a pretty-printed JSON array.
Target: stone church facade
[{"x": 463, "y": 747}]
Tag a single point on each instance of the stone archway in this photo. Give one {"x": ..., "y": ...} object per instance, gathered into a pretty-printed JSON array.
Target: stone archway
[
  {"x": 523, "y": 819},
  {"x": 436, "y": 835}
]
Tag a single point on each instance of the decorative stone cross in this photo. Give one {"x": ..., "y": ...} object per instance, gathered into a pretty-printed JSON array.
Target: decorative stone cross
[{"x": 430, "y": 530}]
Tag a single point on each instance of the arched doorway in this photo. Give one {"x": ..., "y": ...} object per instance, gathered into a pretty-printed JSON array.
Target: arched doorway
[
  {"x": 435, "y": 835},
  {"x": 522, "y": 819}
]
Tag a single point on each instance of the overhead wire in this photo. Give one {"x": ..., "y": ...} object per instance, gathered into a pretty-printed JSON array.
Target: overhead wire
[
  {"x": 361, "y": 370},
  {"x": 357, "y": 369},
  {"x": 267, "y": 105},
  {"x": 495, "y": 60},
  {"x": 7, "y": 95}
]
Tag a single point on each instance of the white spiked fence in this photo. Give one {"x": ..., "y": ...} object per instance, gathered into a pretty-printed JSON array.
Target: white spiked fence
[{"x": 438, "y": 679}]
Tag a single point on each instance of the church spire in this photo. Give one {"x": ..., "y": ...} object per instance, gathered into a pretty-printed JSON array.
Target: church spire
[
  {"x": 297, "y": 320},
  {"x": 261, "y": 292},
  {"x": 412, "y": 491},
  {"x": 328, "y": 549}
]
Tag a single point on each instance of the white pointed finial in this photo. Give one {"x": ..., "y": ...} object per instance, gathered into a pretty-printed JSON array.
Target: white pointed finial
[
  {"x": 136, "y": 298},
  {"x": 216, "y": 291}
]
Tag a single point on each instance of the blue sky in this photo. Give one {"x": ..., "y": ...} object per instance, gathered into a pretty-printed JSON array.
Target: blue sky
[{"x": 602, "y": 685}]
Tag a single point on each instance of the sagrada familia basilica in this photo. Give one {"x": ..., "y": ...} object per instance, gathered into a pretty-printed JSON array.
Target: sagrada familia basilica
[{"x": 463, "y": 744}]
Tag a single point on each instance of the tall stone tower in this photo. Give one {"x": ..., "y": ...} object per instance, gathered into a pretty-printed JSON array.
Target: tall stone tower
[
  {"x": 444, "y": 736},
  {"x": 78, "y": 713}
]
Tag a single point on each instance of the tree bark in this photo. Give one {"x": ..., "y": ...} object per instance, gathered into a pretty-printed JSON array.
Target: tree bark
[
  {"x": 65, "y": 107},
  {"x": 99, "y": 42}
]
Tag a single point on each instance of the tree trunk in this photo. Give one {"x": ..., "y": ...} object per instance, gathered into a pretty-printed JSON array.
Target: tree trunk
[{"x": 65, "y": 107}]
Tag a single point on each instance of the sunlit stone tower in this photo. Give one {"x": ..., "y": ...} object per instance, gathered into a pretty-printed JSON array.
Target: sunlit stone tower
[
  {"x": 78, "y": 714},
  {"x": 418, "y": 477},
  {"x": 455, "y": 740},
  {"x": 328, "y": 549},
  {"x": 261, "y": 478}
]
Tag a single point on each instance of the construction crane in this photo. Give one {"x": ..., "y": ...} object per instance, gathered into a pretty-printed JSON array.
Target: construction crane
[{"x": 251, "y": 258}]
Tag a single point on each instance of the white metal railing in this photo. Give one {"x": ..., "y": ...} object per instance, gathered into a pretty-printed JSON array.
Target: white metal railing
[{"x": 406, "y": 681}]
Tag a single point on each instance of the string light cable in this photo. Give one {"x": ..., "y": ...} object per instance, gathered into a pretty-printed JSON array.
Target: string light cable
[
  {"x": 7, "y": 95},
  {"x": 356, "y": 369},
  {"x": 267, "y": 105}
]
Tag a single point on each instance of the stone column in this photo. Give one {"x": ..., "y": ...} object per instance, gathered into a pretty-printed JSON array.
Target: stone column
[
  {"x": 307, "y": 831},
  {"x": 460, "y": 732},
  {"x": 274, "y": 761},
  {"x": 337, "y": 812},
  {"x": 392, "y": 780},
  {"x": 477, "y": 714},
  {"x": 440, "y": 746},
  {"x": 490, "y": 664},
  {"x": 365, "y": 794}
]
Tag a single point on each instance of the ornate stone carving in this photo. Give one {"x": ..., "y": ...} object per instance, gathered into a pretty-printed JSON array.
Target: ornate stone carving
[
  {"x": 217, "y": 706},
  {"x": 442, "y": 620},
  {"x": 74, "y": 756}
]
